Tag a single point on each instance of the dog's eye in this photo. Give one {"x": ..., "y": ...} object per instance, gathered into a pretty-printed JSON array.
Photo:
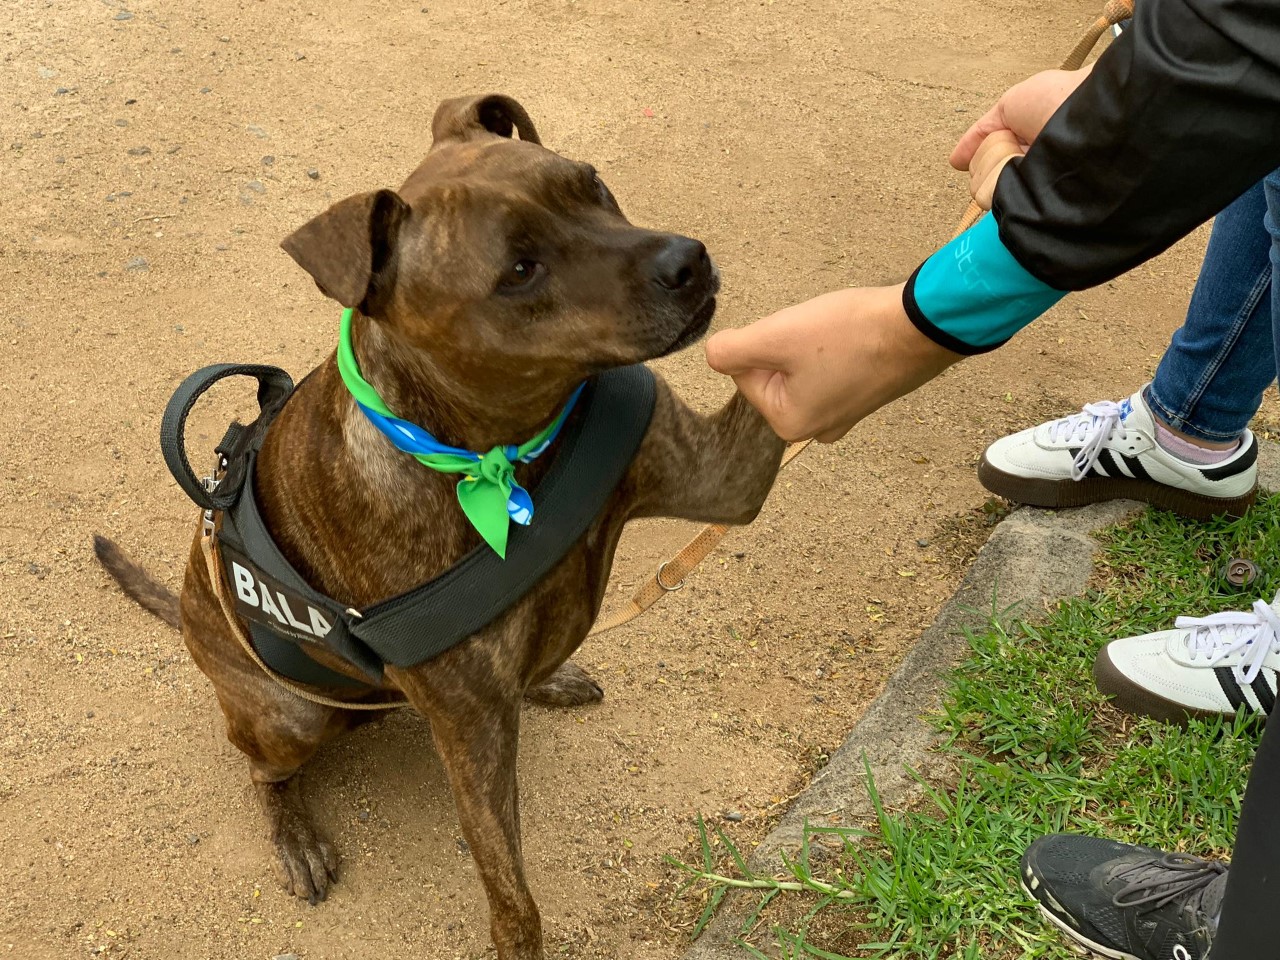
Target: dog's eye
[{"x": 522, "y": 273}]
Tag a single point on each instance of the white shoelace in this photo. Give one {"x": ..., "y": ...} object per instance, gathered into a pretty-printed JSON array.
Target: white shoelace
[
  {"x": 1219, "y": 635},
  {"x": 1090, "y": 429}
]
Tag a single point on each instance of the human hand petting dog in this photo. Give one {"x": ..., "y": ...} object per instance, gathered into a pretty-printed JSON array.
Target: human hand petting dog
[{"x": 816, "y": 369}]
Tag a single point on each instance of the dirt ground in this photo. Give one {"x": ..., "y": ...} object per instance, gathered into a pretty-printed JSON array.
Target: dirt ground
[{"x": 154, "y": 155}]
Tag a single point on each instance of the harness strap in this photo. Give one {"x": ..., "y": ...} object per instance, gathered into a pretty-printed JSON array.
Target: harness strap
[
  {"x": 594, "y": 452},
  {"x": 244, "y": 531},
  {"x": 220, "y": 590},
  {"x": 288, "y": 657}
]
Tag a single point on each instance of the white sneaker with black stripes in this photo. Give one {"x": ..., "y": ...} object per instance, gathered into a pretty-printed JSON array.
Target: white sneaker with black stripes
[
  {"x": 1205, "y": 667},
  {"x": 1109, "y": 451}
]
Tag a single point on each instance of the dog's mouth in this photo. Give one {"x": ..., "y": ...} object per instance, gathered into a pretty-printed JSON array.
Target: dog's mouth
[{"x": 696, "y": 328}]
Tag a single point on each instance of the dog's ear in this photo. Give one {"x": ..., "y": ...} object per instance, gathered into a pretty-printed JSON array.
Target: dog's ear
[
  {"x": 494, "y": 114},
  {"x": 350, "y": 249}
]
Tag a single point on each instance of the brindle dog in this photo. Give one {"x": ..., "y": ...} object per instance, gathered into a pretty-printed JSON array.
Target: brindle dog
[{"x": 495, "y": 280}]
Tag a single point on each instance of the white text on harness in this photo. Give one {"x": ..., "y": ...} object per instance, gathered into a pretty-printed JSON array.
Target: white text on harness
[{"x": 258, "y": 594}]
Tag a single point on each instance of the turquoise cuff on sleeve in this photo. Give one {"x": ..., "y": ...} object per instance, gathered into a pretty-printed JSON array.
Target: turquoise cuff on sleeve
[{"x": 972, "y": 295}]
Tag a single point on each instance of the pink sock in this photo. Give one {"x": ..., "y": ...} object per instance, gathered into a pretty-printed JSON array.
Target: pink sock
[{"x": 1191, "y": 452}]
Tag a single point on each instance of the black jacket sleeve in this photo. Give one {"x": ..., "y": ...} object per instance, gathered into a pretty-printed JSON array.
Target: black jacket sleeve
[{"x": 1179, "y": 117}]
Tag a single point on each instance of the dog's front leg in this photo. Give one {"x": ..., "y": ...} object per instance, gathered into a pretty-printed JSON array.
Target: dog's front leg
[
  {"x": 716, "y": 469},
  {"x": 475, "y": 722}
]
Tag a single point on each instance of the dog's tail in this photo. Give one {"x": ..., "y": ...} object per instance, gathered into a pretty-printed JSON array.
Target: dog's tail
[{"x": 152, "y": 595}]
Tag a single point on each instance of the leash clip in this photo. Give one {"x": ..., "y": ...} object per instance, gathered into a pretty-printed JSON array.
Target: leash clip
[{"x": 210, "y": 484}]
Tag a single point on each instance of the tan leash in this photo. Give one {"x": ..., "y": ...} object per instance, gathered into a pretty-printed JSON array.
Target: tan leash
[{"x": 671, "y": 574}]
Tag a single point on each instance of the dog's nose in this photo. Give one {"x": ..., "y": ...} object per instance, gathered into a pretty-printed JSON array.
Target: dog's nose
[{"x": 681, "y": 262}]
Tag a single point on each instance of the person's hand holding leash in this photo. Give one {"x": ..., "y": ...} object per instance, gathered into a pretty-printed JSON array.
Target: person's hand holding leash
[
  {"x": 1008, "y": 128},
  {"x": 1023, "y": 110},
  {"x": 816, "y": 369},
  {"x": 988, "y": 161}
]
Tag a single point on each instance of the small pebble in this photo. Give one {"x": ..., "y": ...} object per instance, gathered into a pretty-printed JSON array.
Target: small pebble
[
  {"x": 138, "y": 264},
  {"x": 285, "y": 956},
  {"x": 174, "y": 149},
  {"x": 221, "y": 248},
  {"x": 61, "y": 92},
  {"x": 179, "y": 328},
  {"x": 313, "y": 173},
  {"x": 268, "y": 160},
  {"x": 175, "y": 49},
  {"x": 130, "y": 102},
  {"x": 257, "y": 186},
  {"x": 733, "y": 816},
  {"x": 224, "y": 39},
  {"x": 139, "y": 151},
  {"x": 661, "y": 665},
  {"x": 922, "y": 543},
  {"x": 299, "y": 55},
  {"x": 464, "y": 848},
  {"x": 363, "y": 816},
  {"x": 122, "y": 123},
  {"x": 257, "y": 131},
  {"x": 124, "y": 15},
  {"x": 193, "y": 838},
  {"x": 47, "y": 73},
  {"x": 89, "y": 714},
  {"x": 206, "y": 89},
  {"x": 739, "y": 556}
]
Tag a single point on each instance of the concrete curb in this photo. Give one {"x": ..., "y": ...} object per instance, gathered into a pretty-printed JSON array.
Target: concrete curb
[{"x": 1033, "y": 558}]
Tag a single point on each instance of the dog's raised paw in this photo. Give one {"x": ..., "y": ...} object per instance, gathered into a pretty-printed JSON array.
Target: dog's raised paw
[{"x": 569, "y": 686}]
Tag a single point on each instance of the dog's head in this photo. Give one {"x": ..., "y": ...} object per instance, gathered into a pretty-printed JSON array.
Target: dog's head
[{"x": 499, "y": 257}]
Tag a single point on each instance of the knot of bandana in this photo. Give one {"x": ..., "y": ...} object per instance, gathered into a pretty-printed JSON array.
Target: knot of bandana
[{"x": 487, "y": 490}]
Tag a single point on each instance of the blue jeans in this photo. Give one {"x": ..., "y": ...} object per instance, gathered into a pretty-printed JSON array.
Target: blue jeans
[{"x": 1210, "y": 381}]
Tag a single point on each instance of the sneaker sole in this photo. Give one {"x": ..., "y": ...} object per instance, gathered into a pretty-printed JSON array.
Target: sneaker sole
[
  {"x": 1075, "y": 939},
  {"x": 1058, "y": 494},
  {"x": 1137, "y": 701}
]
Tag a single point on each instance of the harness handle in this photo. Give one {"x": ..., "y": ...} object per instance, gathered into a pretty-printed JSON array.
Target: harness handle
[{"x": 274, "y": 385}]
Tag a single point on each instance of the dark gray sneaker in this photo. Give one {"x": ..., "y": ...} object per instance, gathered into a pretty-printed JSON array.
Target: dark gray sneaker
[{"x": 1124, "y": 902}]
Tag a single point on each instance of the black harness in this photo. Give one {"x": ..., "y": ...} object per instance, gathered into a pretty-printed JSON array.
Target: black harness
[{"x": 286, "y": 615}]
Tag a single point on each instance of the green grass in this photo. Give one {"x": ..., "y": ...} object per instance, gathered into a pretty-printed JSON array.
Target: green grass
[{"x": 1036, "y": 751}]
